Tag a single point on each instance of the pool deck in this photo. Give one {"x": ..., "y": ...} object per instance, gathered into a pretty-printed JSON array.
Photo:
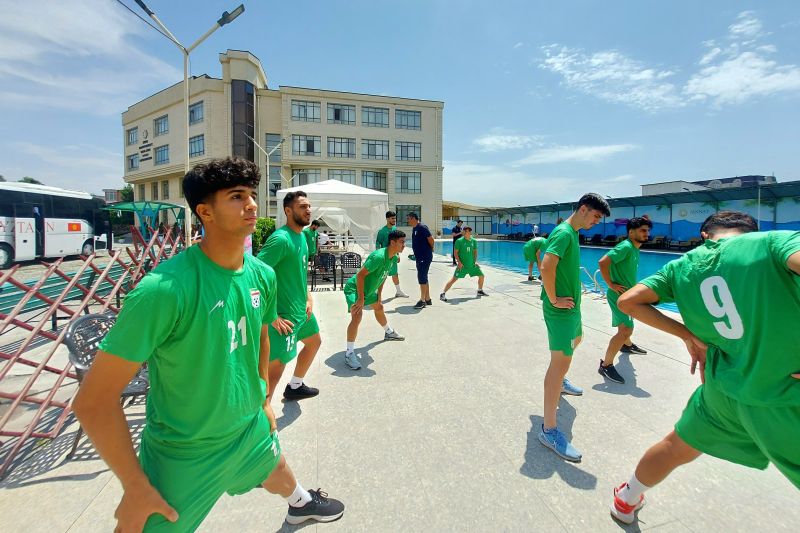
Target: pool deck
[{"x": 439, "y": 433}]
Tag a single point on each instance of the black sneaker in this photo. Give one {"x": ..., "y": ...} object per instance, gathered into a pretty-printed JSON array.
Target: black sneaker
[
  {"x": 610, "y": 372},
  {"x": 530, "y": 278},
  {"x": 442, "y": 297},
  {"x": 481, "y": 293},
  {"x": 419, "y": 305},
  {"x": 428, "y": 302},
  {"x": 320, "y": 508},
  {"x": 300, "y": 393},
  {"x": 635, "y": 349}
]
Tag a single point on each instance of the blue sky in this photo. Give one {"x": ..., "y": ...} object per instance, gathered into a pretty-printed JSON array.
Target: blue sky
[{"x": 543, "y": 100}]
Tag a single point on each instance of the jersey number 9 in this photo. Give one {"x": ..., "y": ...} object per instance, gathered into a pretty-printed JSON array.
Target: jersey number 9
[{"x": 719, "y": 302}]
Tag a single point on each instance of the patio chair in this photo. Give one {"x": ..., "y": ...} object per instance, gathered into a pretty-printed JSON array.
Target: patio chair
[
  {"x": 350, "y": 264},
  {"x": 324, "y": 267},
  {"x": 596, "y": 239},
  {"x": 82, "y": 338}
]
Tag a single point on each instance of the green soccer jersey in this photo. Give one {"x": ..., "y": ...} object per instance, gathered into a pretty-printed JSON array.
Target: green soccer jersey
[
  {"x": 738, "y": 296},
  {"x": 624, "y": 263},
  {"x": 198, "y": 326},
  {"x": 563, "y": 242},
  {"x": 378, "y": 265},
  {"x": 287, "y": 253},
  {"x": 382, "y": 240},
  {"x": 530, "y": 248},
  {"x": 466, "y": 251},
  {"x": 311, "y": 240}
]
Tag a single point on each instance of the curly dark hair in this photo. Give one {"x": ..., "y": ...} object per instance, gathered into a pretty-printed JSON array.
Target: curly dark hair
[
  {"x": 207, "y": 178},
  {"x": 638, "y": 222},
  {"x": 729, "y": 220},
  {"x": 595, "y": 201}
]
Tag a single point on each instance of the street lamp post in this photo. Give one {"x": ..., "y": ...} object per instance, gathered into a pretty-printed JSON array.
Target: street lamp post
[
  {"x": 267, "y": 154},
  {"x": 224, "y": 19}
]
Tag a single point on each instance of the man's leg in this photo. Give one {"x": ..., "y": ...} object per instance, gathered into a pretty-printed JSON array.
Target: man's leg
[
  {"x": 553, "y": 379},
  {"x": 303, "y": 505},
  {"x": 480, "y": 282},
  {"x": 275, "y": 372},
  {"x": 308, "y": 334},
  {"x": 530, "y": 269},
  {"x": 350, "y": 357},
  {"x": 426, "y": 291},
  {"x": 615, "y": 343},
  {"x": 307, "y": 354}
]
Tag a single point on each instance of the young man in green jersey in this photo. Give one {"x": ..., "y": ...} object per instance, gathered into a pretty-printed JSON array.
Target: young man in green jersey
[
  {"x": 466, "y": 254},
  {"x": 532, "y": 252},
  {"x": 561, "y": 306},
  {"x": 311, "y": 233},
  {"x": 199, "y": 320},
  {"x": 382, "y": 241},
  {"x": 363, "y": 290},
  {"x": 739, "y": 297},
  {"x": 286, "y": 251},
  {"x": 619, "y": 268}
]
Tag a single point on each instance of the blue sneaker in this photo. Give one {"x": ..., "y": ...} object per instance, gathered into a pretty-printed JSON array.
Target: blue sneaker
[
  {"x": 568, "y": 388},
  {"x": 556, "y": 441}
]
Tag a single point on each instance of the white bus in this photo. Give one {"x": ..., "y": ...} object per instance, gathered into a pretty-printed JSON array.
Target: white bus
[{"x": 40, "y": 221}]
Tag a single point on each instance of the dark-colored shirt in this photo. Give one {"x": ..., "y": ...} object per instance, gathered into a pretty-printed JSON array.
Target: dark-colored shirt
[
  {"x": 457, "y": 233},
  {"x": 419, "y": 242}
]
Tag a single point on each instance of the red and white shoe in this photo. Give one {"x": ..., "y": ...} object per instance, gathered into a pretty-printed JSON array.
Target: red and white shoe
[{"x": 622, "y": 511}]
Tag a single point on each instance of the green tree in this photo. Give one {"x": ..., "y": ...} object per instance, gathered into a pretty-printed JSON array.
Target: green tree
[
  {"x": 28, "y": 179},
  {"x": 264, "y": 228},
  {"x": 126, "y": 194},
  {"x": 2, "y": 178}
]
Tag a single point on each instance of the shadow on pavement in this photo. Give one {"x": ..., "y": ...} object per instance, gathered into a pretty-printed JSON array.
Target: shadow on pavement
[
  {"x": 629, "y": 388},
  {"x": 341, "y": 370}
]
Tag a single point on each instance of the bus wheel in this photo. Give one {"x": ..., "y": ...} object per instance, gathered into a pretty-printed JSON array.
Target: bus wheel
[
  {"x": 87, "y": 248},
  {"x": 6, "y": 255}
]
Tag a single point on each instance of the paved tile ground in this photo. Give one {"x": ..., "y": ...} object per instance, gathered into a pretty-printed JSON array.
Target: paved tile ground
[{"x": 439, "y": 433}]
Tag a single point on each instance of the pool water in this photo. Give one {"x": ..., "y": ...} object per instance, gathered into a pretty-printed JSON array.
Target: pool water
[{"x": 508, "y": 255}]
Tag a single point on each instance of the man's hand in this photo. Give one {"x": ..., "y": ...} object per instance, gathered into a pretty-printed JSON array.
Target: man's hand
[
  {"x": 282, "y": 326},
  {"x": 138, "y": 503},
  {"x": 460, "y": 265},
  {"x": 796, "y": 376},
  {"x": 309, "y": 308},
  {"x": 616, "y": 287},
  {"x": 273, "y": 424},
  {"x": 357, "y": 307},
  {"x": 564, "y": 302},
  {"x": 697, "y": 350}
]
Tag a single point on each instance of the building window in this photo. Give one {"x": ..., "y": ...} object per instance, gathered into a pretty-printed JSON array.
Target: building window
[
  {"x": 408, "y": 182},
  {"x": 196, "y": 113},
  {"x": 371, "y": 149},
  {"x": 154, "y": 190},
  {"x": 162, "y": 154},
  {"x": 161, "y": 125},
  {"x": 197, "y": 146},
  {"x": 141, "y": 192},
  {"x": 341, "y": 114},
  {"x": 165, "y": 189},
  {"x": 275, "y": 179},
  {"x": 133, "y": 162},
  {"x": 347, "y": 176},
  {"x": 373, "y": 180},
  {"x": 133, "y": 136},
  {"x": 308, "y": 175},
  {"x": 274, "y": 140},
  {"x": 408, "y": 120},
  {"x": 305, "y": 111},
  {"x": 405, "y": 151},
  {"x": 403, "y": 211},
  {"x": 341, "y": 147},
  {"x": 243, "y": 123},
  {"x": 377, "y": 117},
  {"x": 306, "y": 145}
]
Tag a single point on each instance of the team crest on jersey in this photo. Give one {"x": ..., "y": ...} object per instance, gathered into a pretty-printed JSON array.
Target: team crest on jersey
[{"x": 255, "y": 297}]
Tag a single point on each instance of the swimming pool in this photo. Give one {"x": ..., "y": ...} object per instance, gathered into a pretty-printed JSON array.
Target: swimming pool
[{"x": 508, "y": 255}]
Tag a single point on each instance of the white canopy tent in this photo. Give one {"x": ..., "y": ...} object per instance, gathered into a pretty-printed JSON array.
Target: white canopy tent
[{"x": 343, "y": 207}]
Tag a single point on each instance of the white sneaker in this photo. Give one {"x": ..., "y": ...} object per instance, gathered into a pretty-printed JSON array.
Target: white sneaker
[
  {"x": 393, "y": 336},
  {"x": 351, "y": 360},
  {"x": 400, "y": 294}
]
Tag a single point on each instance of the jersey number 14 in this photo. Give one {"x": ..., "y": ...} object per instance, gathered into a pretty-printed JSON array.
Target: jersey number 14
[{"x": 719, "y": 302}]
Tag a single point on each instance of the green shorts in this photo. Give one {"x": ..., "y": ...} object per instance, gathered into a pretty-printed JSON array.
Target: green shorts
[
  {"x": 716, "y": 424},
  {"x": 192, "y": 482},
  {"x": 284, "y": 347},
  {"x": 350, "y": 297},
  {"x": 617, "y": 316},
  {"x": 562, "y": 329},
  {"x": 473, "y": 270}
]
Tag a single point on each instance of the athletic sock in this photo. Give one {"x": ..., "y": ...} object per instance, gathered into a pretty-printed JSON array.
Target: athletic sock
[
  {"x": 387, "y": 328},
  {"x": 299, "y": 497},
  {"x": 351, "y": 346},
  {"x": 632, "y": 491},
  {"x": 295, "y": 382},
  {"x": 397, "y": 286}
]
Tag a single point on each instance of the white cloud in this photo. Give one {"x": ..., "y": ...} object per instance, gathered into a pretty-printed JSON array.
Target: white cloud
[
  {"x": 499, "y": 142},
  {"x": 79, "y": 167},
  {"x": 747, "y": 25},
  {"x": 611, "y": 75},
  {"x": 518, "y": 45},
  {"x": 710, "y": 55},
  {"x": 622, "y": 178},
  {"x": 562, "y": 154},
  {"x": 79, "y": 55}
]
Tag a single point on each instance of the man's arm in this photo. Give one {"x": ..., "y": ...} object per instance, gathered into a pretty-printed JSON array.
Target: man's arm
[
  {"x": 102, "y": 418},
  {"x": 548, "y": 268},
  {"x": 475, "y": 255},
  {"x": 360, "y": 278},
  {"x": 605, "y": 271},
  {"x": 793, "y": 263},
  {"x": 430, "y": 241},
  {"x": 263, "y": 371},
  {"x": 638, "y": 302},
  {"x": 457, "y": 253}
]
